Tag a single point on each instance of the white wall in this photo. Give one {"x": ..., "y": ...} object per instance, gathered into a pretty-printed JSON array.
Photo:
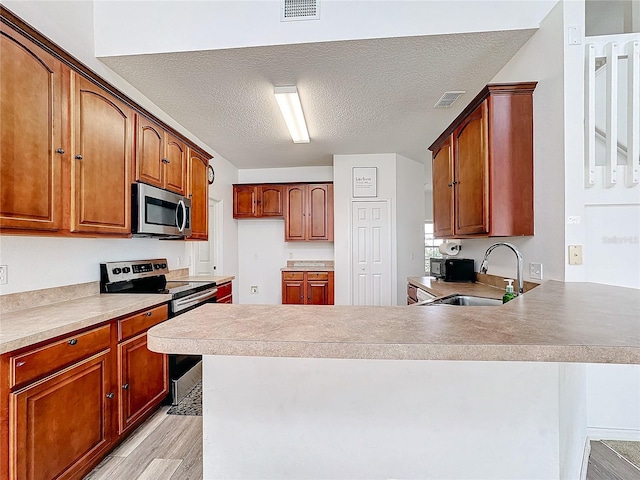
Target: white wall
[
  {"x": 263, "y": 251},
  {"x": 541, "y": 60},
  {"x": 222, "y": 190},
  {"x": 572, "y": 418},
  {"x": 410, "y": 222},
  {"x": 342, "y": 188},
  {"x": 127, "y": 27},
  {"x": 65, "y": 261},
  {"x": 613, "y": 408},
  {"x": 428, "y": 206}
]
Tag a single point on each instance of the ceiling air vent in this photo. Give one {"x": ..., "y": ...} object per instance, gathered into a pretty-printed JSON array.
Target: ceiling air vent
[
  {"x": 447, "y": 99},
  {"x": 294, "y": 10}
]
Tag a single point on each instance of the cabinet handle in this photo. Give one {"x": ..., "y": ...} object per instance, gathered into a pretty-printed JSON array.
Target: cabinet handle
[
  {"x": 19, "y": 364},
  {"x": 73, "y": 341},
  {"x": 60, "y": 151},
  {"x": 148, "y": 314},
  {"x": 125, "y": 386},
  {"x": 110, "y": 395},
  {"x": 166, "y": 160},
  {"x": 78, "y": 157}
]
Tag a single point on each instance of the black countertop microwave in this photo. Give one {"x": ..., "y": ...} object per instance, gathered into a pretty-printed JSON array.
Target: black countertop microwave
[{"x": 453, "y": 269}]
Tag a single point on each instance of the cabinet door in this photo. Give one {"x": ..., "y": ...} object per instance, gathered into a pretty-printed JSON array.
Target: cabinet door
[
  {"x": 31, "y": 95},
  {"x": 295, "y": 226},
  {"x": 60, "y": 424},
  {"x": 319, "y": 216},
  {"x": 245, "y": 201},
  {"x": 270, "y": 200},
  {"x": 471, "y": 174},
  {"x": 149, "y": 152},
  {"x": 175, "y": 164},
  {"x": 143, "y": 380},
  {"x": 102, "y": 134},
  {"x": 442, "y": 174},
  {"x": 198, "y": 191},
  {"x": 293, "y": 288}
]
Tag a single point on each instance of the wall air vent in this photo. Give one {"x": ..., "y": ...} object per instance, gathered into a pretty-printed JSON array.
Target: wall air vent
[
  {"x": 294, "y": 10},
  {"x": 447, "y": 99}
]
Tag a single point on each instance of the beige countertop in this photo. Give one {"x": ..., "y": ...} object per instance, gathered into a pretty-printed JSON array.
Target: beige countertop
[
  {"x": 218, "y": 279},
  {"x": 29, "y": 326},
  {"x": 555, "y": 322}
]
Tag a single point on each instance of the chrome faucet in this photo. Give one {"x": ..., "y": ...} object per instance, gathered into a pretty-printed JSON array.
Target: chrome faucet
[{"x": 485, "y": 263}]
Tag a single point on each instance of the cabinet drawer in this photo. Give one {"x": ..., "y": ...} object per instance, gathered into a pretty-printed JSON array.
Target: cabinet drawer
[
  {"x": 142, "y": 321},
  {"x": 317, "y": 275},
  {"x": 224, "y": 290},
  {"x": 293, "y": 276},
  {"x": 49, "y": 358},
  {"x": 228, "y": 299}
]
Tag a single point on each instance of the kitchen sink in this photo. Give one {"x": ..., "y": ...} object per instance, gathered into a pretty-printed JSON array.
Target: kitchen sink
[{"x": 466, "y": 301}]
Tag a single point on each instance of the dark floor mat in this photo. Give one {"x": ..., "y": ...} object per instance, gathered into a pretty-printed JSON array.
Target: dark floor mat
[{"x": 191, "y": 404}]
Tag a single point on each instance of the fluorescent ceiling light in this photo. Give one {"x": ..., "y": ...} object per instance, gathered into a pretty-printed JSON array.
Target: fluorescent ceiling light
[{"x": 289, "y": 103}]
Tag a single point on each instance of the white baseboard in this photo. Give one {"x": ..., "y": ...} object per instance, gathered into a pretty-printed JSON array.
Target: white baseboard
[{"x": 594, "y": 433}]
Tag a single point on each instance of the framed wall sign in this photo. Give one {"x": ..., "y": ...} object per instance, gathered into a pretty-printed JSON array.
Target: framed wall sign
[{"x": 365, "y": 182}]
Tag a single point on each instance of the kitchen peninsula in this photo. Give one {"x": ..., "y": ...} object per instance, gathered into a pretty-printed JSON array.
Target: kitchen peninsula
[{"x": 317, "y": 391}]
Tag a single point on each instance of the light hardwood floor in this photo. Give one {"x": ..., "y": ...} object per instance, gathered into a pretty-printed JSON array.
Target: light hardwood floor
[{"x": 165, "y": 447}]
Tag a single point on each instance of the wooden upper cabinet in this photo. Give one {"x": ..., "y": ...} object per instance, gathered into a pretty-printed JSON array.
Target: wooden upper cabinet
[
  {"x": 295, "y": 225},
  {"x": 256, "y": 201},
  {"x": 102, "y": 151},
  {"x": 161, "y": 158},
  {"x": 270, "y": 201},
  {"x": 198, "y": 192},
  {"x": 149, "y": 152},
  {"x": 308, "y": 212},
  {"x": 471, "y": 166},
  {"x": 175, "y": 164},
  {"x": 245, "y": 201},
  {"x": 442, "y": 174},
  {"x": 33, "y": 89},
  {"x": 483, "y": 166}
]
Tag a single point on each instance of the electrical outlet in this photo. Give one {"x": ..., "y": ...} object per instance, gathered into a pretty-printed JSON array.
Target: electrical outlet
[
  {"x": 535, "y": 271},
  {"x": 254, "y": 289},
  {"x": 4, "y": 274},
  {"x": 575, "y": 254}
]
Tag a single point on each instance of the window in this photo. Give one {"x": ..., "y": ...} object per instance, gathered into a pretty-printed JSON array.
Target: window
[{"x": 431, "y": 245}]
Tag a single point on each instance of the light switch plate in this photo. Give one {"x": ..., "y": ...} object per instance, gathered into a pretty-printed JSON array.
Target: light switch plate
[
  {"x": 4, "y": 272},
  {"x": 575, "y": 254}
]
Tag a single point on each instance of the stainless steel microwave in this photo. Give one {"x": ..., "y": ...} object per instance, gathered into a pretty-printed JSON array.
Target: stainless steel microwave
[{"x": 159, "y": 213}]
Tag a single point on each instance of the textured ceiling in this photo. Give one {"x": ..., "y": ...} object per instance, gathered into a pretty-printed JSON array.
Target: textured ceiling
[{"x": 360, "y": 96}]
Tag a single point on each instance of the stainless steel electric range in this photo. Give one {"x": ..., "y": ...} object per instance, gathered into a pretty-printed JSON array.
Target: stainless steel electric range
[{"x": 149, "y": 276}]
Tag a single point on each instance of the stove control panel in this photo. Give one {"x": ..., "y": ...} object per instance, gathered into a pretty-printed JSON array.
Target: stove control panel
[{"x": 130, "y": 270}]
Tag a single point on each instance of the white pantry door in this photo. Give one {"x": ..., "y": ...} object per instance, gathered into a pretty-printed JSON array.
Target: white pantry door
[
  {"x": 371, "y": 253},
  {"x": 206, "y": 255}
]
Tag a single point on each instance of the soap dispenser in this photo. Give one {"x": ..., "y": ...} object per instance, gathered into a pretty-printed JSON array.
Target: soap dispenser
[{"x": 509, "y": 294}]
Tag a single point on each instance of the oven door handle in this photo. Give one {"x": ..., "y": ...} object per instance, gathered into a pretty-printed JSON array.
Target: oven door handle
[{"x": 186, "y": 302}]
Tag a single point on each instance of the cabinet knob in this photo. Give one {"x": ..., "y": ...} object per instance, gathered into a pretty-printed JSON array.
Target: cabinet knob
[
  {"x": 110, "y": 395},
  {"x": 148, "y": 314},
  {"x": 166, "y": 160},
  {"x": 60, "y": 151},
  {"x": 78, "y": 157},
  {"x": 125, "y": 386},
  {"x": 73, "y": 341}
]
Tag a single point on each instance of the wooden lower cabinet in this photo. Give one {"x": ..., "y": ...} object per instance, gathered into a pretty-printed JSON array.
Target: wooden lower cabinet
[
  {"x": 65, "y": 404},
  {"x": 143, "y": 380},
  {"x": 61, "y": 424},
  {"x": 225, "y": 293},
  {"x": 307, "y": 288}
]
